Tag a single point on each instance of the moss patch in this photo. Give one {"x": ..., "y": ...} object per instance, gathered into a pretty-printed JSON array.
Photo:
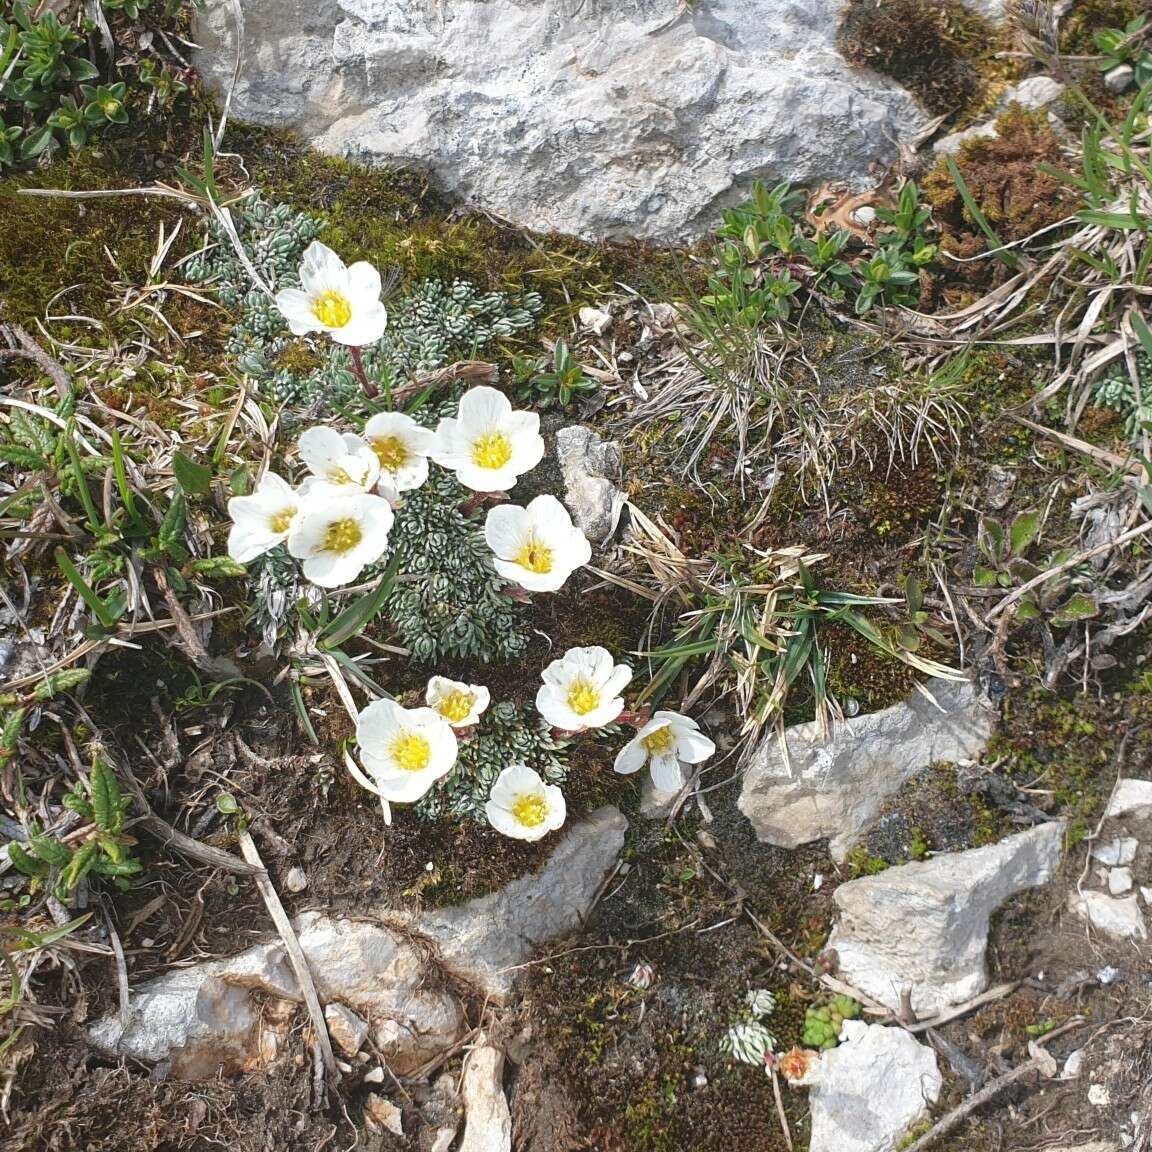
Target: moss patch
[{"x": 932, "y": 47}]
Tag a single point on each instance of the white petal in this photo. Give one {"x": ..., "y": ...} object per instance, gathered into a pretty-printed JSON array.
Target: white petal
[
  {"x": 483, "y": 699},
  {"x": 619, "y": 679},
  {"x": 531, "y": 581},
  {"x": 321, "y": 449},
  {"x": 377, "y": 722},
  {"x": 365, "y": 327},
  {"x": 483, "y": 408},
  {"x": 328, "y": 570},
  {"x": 505, "y": 530},
  {"x": 296, "y": 307},
  {"x": 364, "y": 282},
  {"x": 557, "y": 808},
  {"x": 447, "y": 446},
  {"x": 693, "y": 747},
  {"x": 555, "y": 710},
  {"x": 505, "y": 823},
  {"x": 631, "y": 758},
  {"x": 514, "y": 781},
  {"x": 667, "y": 775},
  {"x": 321, "y": 270},
  {"x": 247, "y": 541},
  {"x": 478, "y": 479},
  {"x": 407, "y": 789}
]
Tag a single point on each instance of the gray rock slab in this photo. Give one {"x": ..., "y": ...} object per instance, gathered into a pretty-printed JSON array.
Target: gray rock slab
[
  {"x": 924, "y": 926},
  {"x": 836, "y": 787},
  {"x": 870, "y": 1089}
]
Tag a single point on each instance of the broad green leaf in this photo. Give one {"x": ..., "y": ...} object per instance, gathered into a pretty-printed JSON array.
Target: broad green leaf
[
  {"x": 1024, "y": 529},
  {"x": 195, "y": 479}
]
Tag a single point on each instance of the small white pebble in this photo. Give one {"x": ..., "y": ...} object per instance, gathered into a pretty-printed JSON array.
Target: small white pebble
[
  {"x": 817, "y": 881},
  {"x": 1099, "y": 1096},
  {"x": 374, "y": 1076},
  {"x": 296, "y": 880},
  {"x": 1107, "y": 975}
]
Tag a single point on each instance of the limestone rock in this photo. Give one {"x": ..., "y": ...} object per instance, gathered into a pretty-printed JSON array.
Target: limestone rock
[
  {"x": 1131, "y": 798},
  {"x": 870, "y": 1089},
  {"x": 483, "y": 941},
  {"x": 924, "y": 926},
  {"x": 1119, "y": 881},
  {"x": 590, "y": 467},
  {"x": 1120, "y": 851},
  {"x": 197, "y": 1020},
  {"x": 1119, "y": 918},
  {"x": 655, "y": 804},
  {"x": 487, "y": 1120},
  {"x": 348, "y": 1031},
  {"x": 1120, "y": 78},
  {"x": 835, "y": 788},
  {"x": 385, "y": 1113},
  {"x": 605, "y": 118}
]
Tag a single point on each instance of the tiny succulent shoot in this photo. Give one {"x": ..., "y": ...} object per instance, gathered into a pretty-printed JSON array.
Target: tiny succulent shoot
[
  {"x": 401, "y": 447},
  {"x": 339, "y": 464},
  {"x": 262, "y": 520},
  {"x": 537, "y": 547},
  {"x": 341, "y": 300},
  {"x": 459, "y": 703},
  {"x": 337, "y": 537},
  {"x": 666, "y": 743},
  {"x": 405, "y": 750},
  {"x": 486, "y": 443},
  {"x": 582, "y": 689},
  {"x": 522, "y": 806}
]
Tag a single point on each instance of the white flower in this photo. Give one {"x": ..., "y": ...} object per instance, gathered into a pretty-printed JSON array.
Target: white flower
[
  {"x": 262, "y": 520},
  {"x": 337, "y": 535},
  {"x": 538, "y": 547},
  {"x": 522, "y": 806},
  {"x": 664, "y": 743},
  {"x": 343, "y": 462},
  {"x": 343, "y": 301},
  {"x": 581, "y": 689},
  {"x": 401, "y": 448},
  {"x": 405, "y": 749},
  {"x": 459, "y": 704},
  {"x": 486, "y": 444}
]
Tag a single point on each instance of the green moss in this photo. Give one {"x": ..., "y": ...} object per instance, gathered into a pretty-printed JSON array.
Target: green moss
[
  {"x": 399, "y": 217},
  {"x": 862, "y": 863}
]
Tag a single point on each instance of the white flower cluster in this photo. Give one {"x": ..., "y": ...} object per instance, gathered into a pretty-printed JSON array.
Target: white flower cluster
[
  {"x": 406, "y": 750},
  {"x": 337, "y": 522}
]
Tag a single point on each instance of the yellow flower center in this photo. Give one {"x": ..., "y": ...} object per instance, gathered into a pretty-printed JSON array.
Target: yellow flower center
[
  {"x": 660, "y": 742},
  {"x": 492, "y": 450},
  {"x": 583, "y": 697},
  {"x": 342, "y": 536},
  {"x": 456, "y": 706},
  {"x": 282, "y": 521},
  {"x": 411, "y": 751},
  {"x": 332, "y": 310},
  {"x": 534, "y": 556},
  {"x": 391, "y": 451},
  {"x": 530, "y": 810}
]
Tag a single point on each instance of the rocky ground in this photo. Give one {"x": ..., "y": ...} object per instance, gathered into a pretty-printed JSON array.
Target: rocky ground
[{"x": 885, "y": 542}]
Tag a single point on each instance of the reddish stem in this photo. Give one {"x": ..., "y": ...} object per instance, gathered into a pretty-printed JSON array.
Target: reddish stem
[{"x": 370, "y": 389}]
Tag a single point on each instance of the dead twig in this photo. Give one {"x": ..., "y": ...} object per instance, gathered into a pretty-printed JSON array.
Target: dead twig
[
  {"x": 25, "y": 348},
  {"x": 993, "y": 1089},
  {"x": 295, "y": 955}
]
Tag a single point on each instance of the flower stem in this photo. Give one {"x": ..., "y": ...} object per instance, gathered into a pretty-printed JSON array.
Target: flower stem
[{"x": 370, "y": 389}]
